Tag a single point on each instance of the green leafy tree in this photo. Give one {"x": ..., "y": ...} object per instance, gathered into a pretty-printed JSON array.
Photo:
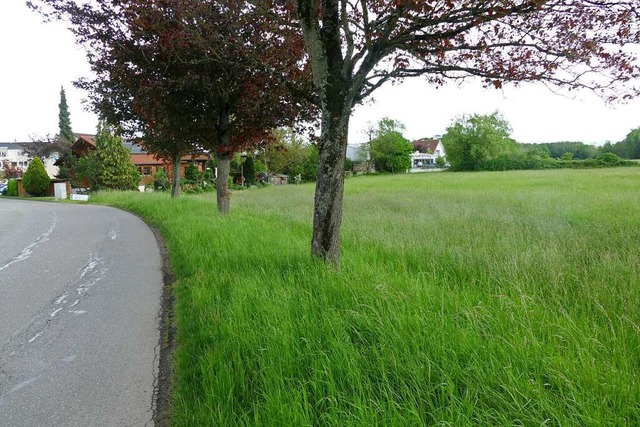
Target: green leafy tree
[
  {"x": 87, "y": 172},
  {"x": 192, "y": 174},
  {"x": 35, "y": 179},
  {"x": 310, "y": 165},
  {"x": 471, "y": 140},
  {"x": 161, "y": 180},
  {"x": 390, "y": 151},
  {"x": 116, "y": 171},
  {"x": 629, "y": 147},
  {"x": 290, "y": 155}
]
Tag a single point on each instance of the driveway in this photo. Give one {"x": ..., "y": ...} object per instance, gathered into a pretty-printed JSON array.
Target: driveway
[{"x": 80, "y": 293}]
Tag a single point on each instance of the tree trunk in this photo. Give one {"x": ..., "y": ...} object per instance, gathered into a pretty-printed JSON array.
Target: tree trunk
[
  {"x": 327, "y": 214},
  {"x": 223, "y": 195},
  {"x": 175, "y": 182}
]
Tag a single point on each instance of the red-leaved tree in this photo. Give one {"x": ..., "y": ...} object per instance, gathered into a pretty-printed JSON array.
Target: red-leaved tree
[
  {"x": 191, "y": 75},
  {"x": 354, "y": 47}
]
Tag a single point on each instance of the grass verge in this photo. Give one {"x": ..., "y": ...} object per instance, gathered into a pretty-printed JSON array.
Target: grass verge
[{"x": 463, "y": 299}]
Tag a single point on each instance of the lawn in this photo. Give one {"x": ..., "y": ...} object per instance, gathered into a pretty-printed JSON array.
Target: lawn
[{"x": 505, "y": 298}]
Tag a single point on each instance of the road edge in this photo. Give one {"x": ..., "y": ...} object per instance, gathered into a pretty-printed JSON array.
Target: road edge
[{"x": 166, "y": 342}]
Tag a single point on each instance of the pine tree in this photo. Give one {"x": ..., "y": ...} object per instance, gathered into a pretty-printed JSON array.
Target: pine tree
[
  {"x": 116, "y": 170},
  {"x": 64, "y": 120}
]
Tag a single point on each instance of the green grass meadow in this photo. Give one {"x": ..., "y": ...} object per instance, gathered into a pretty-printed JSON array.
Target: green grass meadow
[{"x": 484, "y": 299}]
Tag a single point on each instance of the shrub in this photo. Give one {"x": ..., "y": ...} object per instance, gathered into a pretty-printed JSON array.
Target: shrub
[
  {"x": 12, "y": 188},
  {"x": 610, "y": 159},
  {"x": 161, "y": 180},
  {"x": 192, "y": 174},
  {"x": 35, "y": 179}
]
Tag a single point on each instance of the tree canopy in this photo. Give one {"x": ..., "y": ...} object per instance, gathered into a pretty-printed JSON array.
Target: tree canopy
[
  {"x": 355, "y": 47},
  {"x": 390, "y": 151},
  {"x": 473, "y": 139},
  {"x": 190, "y": 75},
  {"x": 114, "y": 167},
  {"x": 628, "y": 148}
]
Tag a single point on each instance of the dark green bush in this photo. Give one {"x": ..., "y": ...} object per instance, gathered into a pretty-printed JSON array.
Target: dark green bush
[
  {"x": 35, "y": 180},
  {"x": 192, "y": 174},
  {"x": 12, "y": 188}
]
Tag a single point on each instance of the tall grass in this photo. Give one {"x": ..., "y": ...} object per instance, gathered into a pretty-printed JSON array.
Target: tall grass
[{"x": 463, "y": 299}]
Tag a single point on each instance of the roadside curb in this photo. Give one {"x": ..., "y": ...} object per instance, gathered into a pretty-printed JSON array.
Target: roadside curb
[{"x": 166, "y": 342}]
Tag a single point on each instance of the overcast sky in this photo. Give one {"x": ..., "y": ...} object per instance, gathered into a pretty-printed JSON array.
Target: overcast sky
[{"x": 37, "y": 58}]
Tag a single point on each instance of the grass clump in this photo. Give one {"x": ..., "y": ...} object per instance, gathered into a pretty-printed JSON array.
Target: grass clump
[{"x": 462, "y": 299}]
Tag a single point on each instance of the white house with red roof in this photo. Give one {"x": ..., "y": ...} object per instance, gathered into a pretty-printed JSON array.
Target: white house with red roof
[{"x": 426, "y": 153}]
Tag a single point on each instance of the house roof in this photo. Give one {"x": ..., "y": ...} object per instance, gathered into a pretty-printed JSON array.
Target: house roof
[
  {"x": 150, "y": 159},
  {"x": 13, "y": 145},
  {"x": 426, "y": 145},
  {"x": 86, "y": 138}
]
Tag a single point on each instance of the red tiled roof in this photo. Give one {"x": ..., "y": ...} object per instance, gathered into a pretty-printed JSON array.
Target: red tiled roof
[{"x": 425, "y": 145}]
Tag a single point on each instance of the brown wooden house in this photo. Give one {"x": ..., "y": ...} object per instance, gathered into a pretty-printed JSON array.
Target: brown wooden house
[{"x": 146, "y": 163}]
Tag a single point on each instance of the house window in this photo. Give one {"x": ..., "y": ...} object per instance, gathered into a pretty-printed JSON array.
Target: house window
[{"x": 146, "y": 170}]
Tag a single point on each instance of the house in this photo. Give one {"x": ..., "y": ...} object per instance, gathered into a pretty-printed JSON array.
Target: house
[
  {"x": 11, "y": 152},
  {"x": 146, "y": 163},
  {"x": 360, "y": 158},
  {"x": 426, "y": 153}
]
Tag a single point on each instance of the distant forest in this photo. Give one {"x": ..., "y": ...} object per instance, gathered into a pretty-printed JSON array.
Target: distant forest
[{"x": 628, "y": 148}]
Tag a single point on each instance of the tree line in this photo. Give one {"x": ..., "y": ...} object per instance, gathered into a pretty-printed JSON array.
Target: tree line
[{"x": 483, "y": 142}]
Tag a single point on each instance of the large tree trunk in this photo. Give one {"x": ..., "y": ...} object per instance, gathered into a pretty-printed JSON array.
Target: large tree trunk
[
  {"x": 333, "y": 79},
  {"x": 223, "y": 195},
  {"x": 175, "y": 182},
  {"x": 327, "y": 213}
]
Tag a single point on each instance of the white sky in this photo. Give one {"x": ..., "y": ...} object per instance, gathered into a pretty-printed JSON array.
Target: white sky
[{"x": 37, "y": 58}]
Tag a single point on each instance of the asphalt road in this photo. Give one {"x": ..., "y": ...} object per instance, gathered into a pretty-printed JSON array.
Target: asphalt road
[{"x": 80, "y": 292}]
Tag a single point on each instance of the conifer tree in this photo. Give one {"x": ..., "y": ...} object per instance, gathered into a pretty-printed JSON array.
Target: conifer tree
[
  {"x": 64, "y": 119},
  {"x": 35, "y": 179}
]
